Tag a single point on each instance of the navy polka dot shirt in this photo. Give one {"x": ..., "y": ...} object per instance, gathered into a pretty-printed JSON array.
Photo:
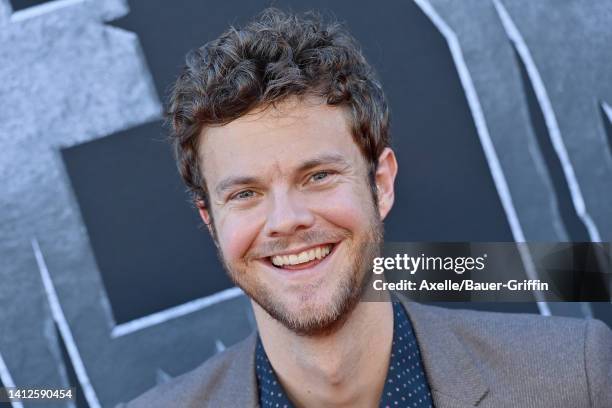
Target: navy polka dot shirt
[{"x": 406, "y": 384}]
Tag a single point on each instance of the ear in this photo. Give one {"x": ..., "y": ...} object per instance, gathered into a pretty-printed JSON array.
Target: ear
[
  {"x": 204, "y": 214},
  {"x": 385, "y": 181}
]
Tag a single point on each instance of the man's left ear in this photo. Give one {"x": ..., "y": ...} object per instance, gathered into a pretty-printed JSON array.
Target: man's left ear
[{"x": 385, "y": 180}]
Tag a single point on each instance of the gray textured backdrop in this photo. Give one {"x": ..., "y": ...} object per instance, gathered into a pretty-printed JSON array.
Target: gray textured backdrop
[{"x": 502, "y": 113}]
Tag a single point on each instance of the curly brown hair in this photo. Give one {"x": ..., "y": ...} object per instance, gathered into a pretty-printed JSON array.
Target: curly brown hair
[{"x": 275, "y": 56}]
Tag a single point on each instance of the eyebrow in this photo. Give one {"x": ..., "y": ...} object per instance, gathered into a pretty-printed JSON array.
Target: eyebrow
[
  {"x": 324, "y": 159},
  {"x": 231, "y": 182}
]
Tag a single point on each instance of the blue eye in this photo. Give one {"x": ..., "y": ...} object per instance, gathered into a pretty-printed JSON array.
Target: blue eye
[
  {"x": 318, "y": 176},
  {"x": 243, "y": 195}
]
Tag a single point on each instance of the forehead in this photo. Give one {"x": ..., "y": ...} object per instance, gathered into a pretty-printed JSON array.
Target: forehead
[{"x": 276, "y": 139}]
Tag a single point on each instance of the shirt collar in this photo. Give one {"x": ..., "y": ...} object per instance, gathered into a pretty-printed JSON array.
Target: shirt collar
[{"x": 405, "y": 385}]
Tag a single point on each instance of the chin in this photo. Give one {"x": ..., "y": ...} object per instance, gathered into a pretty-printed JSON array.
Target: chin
[
  {"x": 310, "y": 305},
  {"x": 312, "y": 313}
]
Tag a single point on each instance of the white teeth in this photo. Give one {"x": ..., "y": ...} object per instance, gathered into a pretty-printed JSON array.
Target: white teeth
[{"x": 303, "y": 257}]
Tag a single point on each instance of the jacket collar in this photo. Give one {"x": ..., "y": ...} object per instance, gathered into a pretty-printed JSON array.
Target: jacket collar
[
  {"x": 242, "y": 366},
  {"x": 453, "y": 374}
]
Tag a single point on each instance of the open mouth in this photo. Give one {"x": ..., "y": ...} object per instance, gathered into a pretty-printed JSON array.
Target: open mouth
[{"x": 304, "y": 259}]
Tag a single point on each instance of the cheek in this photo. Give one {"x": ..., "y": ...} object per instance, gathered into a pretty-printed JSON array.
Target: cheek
[
  {"x": 347, "y": 208},
  {"x": 236, "y": 234}
]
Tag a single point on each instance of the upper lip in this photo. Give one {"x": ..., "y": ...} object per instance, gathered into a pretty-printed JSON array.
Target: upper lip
[{"x": 298, "y": 250}]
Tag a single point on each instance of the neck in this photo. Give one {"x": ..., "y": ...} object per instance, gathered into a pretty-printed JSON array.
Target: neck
[{"x": 345, "y": 368}]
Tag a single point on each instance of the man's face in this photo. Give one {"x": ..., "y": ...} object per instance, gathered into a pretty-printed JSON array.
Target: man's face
[{"x": 293, "y": 212}]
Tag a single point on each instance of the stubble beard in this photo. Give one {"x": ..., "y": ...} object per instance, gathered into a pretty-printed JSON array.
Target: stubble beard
[{"x": 319, "y": 320}]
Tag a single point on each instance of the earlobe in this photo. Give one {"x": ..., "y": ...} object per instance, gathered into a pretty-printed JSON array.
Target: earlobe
[
  {"x": 203, "y": 211},
  {"x": 385, "y": 181},
  {"x": 208, "y": 220}
]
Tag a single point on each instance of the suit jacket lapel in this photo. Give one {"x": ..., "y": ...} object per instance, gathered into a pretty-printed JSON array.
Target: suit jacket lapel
[
  {"x": 454, "y": 377},
  {"x": 453, "y": 374},
  {"x": 239, "y": 388}
]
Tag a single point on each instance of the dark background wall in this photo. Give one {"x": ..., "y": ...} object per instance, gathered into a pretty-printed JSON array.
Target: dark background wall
[{"x": 501, "y": 123}]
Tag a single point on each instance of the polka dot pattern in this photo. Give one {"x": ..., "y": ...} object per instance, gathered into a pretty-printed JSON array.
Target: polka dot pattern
[
  {"x": 406, "y": 384},
  {"x": 405, "y": 387},
  {"x": 271, "y": 393}
]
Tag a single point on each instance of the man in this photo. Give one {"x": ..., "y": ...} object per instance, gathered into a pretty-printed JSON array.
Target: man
[{"x": 281, "y": 134}]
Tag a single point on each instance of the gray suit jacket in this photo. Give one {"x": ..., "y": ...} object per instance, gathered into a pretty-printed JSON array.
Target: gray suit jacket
[{"x": 471, "y": 359}]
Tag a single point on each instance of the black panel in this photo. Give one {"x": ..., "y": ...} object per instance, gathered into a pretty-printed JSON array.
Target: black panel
[
  {"x": 147, "y": 240},
  {"x": 24, "y": 4}
]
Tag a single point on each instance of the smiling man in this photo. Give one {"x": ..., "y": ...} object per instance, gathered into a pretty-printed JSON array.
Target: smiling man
[
  {"x": 296, "y": 223},
  {"x": 281, "y": 134}
]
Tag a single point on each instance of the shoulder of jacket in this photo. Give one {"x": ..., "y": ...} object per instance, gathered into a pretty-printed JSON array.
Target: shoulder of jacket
[
  {"x": 531, "y": 336},
  {"x": 524, "y": 323},
  {"x": 564, "y": 357},
  {"x": 197, "y": 385},
  {"x": 598, "y": 363}
]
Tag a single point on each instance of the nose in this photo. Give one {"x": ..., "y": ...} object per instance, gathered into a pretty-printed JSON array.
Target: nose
[{"x": 287, "y": 214}]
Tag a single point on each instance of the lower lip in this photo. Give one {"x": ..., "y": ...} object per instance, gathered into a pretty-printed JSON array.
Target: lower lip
[{"x": 302, "y": 269}]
